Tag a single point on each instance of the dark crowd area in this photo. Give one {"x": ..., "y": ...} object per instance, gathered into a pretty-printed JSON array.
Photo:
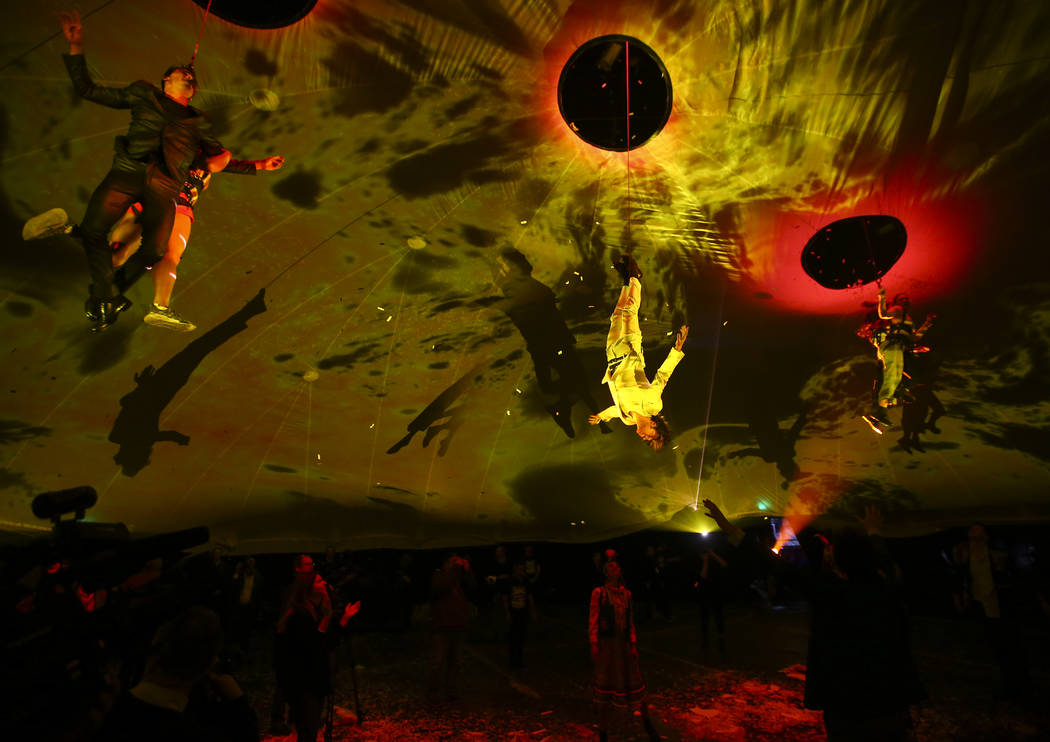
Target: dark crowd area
[{"x": 841, "y": 635}]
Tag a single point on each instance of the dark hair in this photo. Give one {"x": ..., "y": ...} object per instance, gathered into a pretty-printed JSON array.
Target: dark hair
[
  {"x": 187, "y": 67},
  {"x": 517, "y": 259},
  {"x": 663, "y": 430},
  {"x": 855, "y": 555},
  {"x": 185, "y": 647}
]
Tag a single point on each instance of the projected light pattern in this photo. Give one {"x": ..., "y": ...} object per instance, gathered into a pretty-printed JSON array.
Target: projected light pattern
[{"x": 429, "y": 172}]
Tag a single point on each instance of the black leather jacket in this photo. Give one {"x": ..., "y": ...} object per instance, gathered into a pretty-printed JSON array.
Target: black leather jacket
[{"x": 162, "y": 132}]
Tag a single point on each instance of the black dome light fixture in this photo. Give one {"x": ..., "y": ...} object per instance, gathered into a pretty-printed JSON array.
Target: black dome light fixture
[
  {"x": 854, "y": 251},
  {"x": 260, "y": 13},
  {"x": 594, "y": 89}
]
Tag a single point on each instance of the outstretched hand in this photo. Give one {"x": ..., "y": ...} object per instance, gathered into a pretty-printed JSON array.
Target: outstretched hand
[
  {"x": 679, "y": 341},
  {"x": 872, "y": 520},
  {"x": 271, "y": 163},
  {"x": 713, "y": 512},
  {"x": 71, "y": 28},
  {"x": 594, "y": 419}
]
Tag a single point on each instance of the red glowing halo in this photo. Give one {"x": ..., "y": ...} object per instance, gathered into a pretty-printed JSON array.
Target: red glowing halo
[{"x": 943, "y": 234}]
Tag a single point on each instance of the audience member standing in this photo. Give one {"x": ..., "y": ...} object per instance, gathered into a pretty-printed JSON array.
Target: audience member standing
[
  {"x": 533, "y": 570},
  {"x": 301, "y": 652},
  {"x": 990, "y": 594},
  {"x": 710, "y": 587},
  {"x": 247, "y": 587},
  {"x": 450, "y": 614},
  {"x": 617, "y": 676},
  {"x": 860, "y": 670},
  {"x": 519, "y": 607}
]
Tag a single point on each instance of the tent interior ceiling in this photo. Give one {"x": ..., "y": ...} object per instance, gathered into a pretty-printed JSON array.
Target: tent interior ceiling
[{"x": 388, "y": 325}]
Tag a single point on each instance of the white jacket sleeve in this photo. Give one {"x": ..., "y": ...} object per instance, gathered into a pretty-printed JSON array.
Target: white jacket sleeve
[{"x": 667, "y": 367}]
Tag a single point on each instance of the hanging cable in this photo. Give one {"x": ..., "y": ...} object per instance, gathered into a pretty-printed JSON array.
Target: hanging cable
[
  {"x": 627, "y": 74},
  {"x": 197, "y": 46},
  {"x": 871, "y": 252}
]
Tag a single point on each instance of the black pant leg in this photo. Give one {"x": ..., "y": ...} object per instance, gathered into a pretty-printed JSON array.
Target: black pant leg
[
  {"x": 158, "y": 219},
  {"x": 117, "y": 191}
]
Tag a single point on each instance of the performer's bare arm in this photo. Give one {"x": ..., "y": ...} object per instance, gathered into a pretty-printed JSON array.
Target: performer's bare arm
[{"x": 73, "y": 31}]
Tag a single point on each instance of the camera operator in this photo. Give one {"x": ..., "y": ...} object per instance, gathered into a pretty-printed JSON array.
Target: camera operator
[{"x": 180, "y": 696}]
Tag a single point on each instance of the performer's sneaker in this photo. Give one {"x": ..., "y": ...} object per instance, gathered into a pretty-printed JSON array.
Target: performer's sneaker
[
  {"x": 50, "y": 223},
  {"x": 105, "y": 312},
  {"x": 167, "y": 318}
]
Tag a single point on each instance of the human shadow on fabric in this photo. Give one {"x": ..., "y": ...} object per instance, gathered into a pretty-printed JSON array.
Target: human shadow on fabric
[
  {"x": 774, "y": 445},
  {"x": 543, "y": 491},
  {"x": 137, "y": 426},
  {"x": 444, "y": 408},
  {"x": 533, "y": 309}
]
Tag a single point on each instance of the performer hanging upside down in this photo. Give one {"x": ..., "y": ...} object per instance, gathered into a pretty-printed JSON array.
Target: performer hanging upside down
[
  {"x": 636, "y": 400},
  {"x": 143, "y": 169},
  {"x": 126, "y": 236},
  {"x": 893, "y": 336}
]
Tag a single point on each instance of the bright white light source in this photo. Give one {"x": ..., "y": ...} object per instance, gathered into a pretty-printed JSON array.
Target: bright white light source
[{"x": 523, "y": 222}]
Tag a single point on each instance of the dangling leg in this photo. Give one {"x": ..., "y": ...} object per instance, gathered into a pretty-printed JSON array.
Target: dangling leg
[
  {"x": 126, "y": 237},
  {"x": 117, "y": 191},
  {"x": 892, "y": 370},
  {"x": 624, "y": 319},
  {"x": 164, "y": 275}
]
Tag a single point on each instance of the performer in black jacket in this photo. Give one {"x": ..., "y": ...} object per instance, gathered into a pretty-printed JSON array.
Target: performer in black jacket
[
  {"x": 145, "y": 168},
  {"x": 127, "y": 236}
]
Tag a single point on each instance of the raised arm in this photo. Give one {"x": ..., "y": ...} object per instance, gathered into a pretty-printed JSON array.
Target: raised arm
[
  {"x": 673, "y": 357},
  {"x": 883, "y": 309},
  {"x": 78, "y": 72},
  {"x": 927, "y": 323}
]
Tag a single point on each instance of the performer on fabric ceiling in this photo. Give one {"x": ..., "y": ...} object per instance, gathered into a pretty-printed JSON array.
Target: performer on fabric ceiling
[
  {"x": 126, "y": 237},
  {"x": 141, "y": 171},
  {"x": 636, "y": 400},
  {"x": 892, "y": 336}
]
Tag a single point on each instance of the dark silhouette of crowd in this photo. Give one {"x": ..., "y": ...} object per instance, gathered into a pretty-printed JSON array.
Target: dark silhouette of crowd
[{"x": 152, "y": 647}]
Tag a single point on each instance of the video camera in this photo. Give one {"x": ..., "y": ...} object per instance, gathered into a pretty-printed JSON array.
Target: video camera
[{"x": 57, "y": 638}]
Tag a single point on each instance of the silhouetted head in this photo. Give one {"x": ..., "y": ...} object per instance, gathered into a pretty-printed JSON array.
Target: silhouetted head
[
  {"x": 304, "y": 564},
  {"x": 516, "y": 261},
  {"x": 613, "y": 573},
  {"x": 657, "y": 434},
  {"x": 185, "y": 648},
  {"x": 854, "y": 555}
]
